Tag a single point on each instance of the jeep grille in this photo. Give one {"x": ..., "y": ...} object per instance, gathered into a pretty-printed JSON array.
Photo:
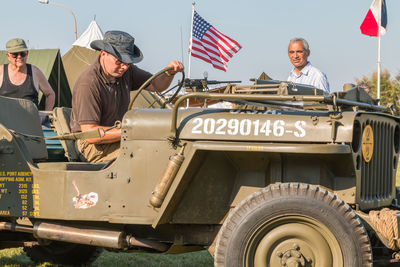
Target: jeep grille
[{"x": 377, "y": 175}]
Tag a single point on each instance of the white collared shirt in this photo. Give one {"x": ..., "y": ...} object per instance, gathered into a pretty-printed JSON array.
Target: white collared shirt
[{"x": 310, "y": 75}]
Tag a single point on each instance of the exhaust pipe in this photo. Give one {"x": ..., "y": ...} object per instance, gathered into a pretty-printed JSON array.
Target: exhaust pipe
[
  {"x": 16, "y": 227},
  {"x": 145, "y": 243},
  {"x": 83, "y": 235},
  {"x": 87, "y": 236}
]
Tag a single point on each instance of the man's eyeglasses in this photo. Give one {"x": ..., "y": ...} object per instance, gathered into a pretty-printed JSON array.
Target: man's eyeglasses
[
  {"x": 118, "y": 62},
  {"x": 22, "y": 54}
]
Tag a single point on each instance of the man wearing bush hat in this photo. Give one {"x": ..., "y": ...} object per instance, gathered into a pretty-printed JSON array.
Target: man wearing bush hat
[
  {"x": 102, "y": 93},
  {"x": 21, "y": 80}
]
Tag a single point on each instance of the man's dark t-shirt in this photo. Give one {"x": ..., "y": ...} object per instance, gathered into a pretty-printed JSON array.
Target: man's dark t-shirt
[
  {"x": 26, "y": 90},
  {"x": 97, "y": 101}
]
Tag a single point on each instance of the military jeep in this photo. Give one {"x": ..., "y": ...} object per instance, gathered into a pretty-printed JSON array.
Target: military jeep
[{"x": 288, "y": 176}]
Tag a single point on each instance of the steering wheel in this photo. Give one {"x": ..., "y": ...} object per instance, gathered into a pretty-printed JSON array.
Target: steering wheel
[{"x": 144, "y": 85}]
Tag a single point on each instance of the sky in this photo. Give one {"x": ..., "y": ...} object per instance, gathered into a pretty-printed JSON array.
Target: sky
[{"x": 262, "y": 27}]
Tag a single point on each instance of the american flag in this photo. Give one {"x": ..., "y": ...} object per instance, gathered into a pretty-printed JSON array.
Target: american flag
[{"x": 211, "y": 45}]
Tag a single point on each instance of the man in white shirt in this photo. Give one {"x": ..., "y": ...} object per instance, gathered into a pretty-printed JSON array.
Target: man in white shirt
[{"x": 303, "y": 72}]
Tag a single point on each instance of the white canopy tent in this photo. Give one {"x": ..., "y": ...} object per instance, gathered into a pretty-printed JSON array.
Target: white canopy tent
[{"x": 93, "y": 32}]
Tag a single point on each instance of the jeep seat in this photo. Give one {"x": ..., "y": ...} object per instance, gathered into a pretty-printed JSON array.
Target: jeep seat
[
  {"x": 22, "y": 116},
  {"x": 61, "y": 119}
]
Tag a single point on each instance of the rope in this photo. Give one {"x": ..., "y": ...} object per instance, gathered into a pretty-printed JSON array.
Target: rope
[{"x": 385, "y": 222}]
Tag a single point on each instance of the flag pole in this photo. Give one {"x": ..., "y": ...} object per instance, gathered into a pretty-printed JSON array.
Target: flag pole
[
  {"x": 182, "y": 46},
  {"x": 378, "y": 85},
  {"x": 191, "y": 39}
]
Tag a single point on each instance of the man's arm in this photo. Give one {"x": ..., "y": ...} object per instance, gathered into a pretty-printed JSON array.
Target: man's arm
[
  {"x": 163, "y": 81},
  {"x": 44, "y": 86},
  {"x": 1, "y": 74},
  {"x": 322, "y": 83},
  {"x": 111, "y": 136}
]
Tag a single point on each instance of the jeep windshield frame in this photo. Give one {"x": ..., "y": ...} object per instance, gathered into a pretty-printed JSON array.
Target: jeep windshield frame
[{"x": 331, "y": 99}]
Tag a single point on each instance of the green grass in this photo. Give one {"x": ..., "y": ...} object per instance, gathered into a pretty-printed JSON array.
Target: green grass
[
  {"x": 17, "y": 257},
  {"x": 14, "y": 257},
  {"x": 202, "y": 258}
]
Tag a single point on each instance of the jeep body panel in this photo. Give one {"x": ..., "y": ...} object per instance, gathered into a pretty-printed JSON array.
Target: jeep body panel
[
  {"x": 206, "y": 167},
  {"x": 223, "y": 170}
]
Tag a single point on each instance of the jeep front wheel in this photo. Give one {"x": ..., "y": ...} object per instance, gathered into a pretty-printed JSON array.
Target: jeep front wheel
[{"x": 293, "y": 224}]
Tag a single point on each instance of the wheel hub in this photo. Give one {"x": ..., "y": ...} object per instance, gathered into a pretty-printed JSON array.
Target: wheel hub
[
  {"x": 298, "y": 242},
  {"x": 292, "y": 257}
]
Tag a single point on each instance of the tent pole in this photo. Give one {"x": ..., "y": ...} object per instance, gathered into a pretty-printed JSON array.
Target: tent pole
[{"x": 58, "y": 78}]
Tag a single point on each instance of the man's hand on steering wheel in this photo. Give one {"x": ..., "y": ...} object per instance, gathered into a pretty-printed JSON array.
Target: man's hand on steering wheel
[
  {"x": 170, "y": 70},
  {"x": 176, "y": 65}
]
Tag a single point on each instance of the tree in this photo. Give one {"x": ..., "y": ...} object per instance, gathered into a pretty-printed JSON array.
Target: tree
[{"x": 390, "y": 88}]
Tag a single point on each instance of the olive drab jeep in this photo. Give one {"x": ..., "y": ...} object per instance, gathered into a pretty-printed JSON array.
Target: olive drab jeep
[{"x": 285, "y": 176}]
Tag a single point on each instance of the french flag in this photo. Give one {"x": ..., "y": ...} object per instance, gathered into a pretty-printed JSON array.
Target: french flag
[{"x": 370, "y": 24}]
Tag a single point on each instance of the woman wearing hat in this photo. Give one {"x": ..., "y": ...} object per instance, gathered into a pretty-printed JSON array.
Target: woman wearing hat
[
  {"x": 102, "y": 92},
  {"x": 21, "y": 80}
]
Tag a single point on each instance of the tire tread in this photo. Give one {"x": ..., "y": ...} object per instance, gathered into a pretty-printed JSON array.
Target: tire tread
[{"x": 299, "y": 190}]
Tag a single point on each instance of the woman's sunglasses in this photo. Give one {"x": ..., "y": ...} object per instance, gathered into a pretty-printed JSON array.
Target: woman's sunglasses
[{"x": 22, "y": 54}]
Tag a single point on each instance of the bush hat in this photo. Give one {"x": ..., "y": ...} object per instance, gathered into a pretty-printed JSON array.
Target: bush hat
[
  {"x": 16, "y": 45},
  {"x": 119, "y": 44}
]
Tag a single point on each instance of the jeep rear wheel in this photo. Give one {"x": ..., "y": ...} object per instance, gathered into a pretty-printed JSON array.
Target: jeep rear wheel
[
  {"x": 293, "y": 224},
  {"x": 63, "y": 253}
]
